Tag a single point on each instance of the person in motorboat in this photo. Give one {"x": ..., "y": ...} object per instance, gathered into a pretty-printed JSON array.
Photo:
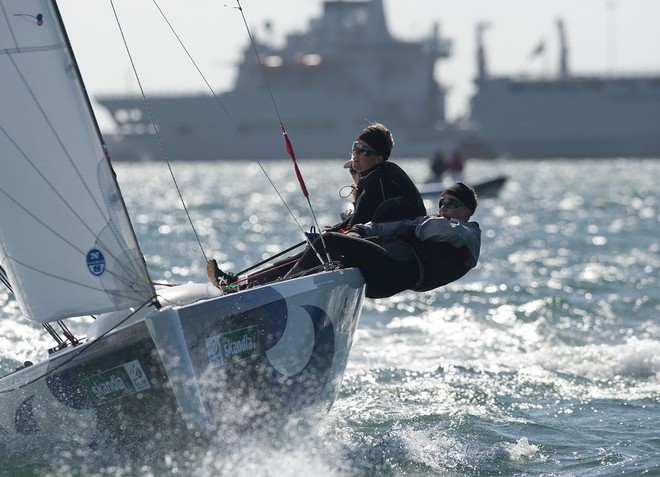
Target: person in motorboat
[
  {"x": 380, "y": 180},
  {"x": 384, "y": 192},
  {"x": 438, "y": 167},
  {"x": 413, "y": 254},
  {"x": 456, "y": 165}
]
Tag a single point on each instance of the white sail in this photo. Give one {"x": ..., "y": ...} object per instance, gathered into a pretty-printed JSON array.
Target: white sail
[{"x": 66, "y": 241}]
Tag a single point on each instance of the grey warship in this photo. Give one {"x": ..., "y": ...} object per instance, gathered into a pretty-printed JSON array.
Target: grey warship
[{"x": 343, "y": 72}]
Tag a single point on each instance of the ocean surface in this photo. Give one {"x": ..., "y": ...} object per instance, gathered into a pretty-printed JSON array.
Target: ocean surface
[{"x": 542, "y": 361}]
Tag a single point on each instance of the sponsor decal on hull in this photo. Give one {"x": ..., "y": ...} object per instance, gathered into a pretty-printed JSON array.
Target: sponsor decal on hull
[
  {"x": 123, "y": 380},
  {"x": 234, "y": 346}
]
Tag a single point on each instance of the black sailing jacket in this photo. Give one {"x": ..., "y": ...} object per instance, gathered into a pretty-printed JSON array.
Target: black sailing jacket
[{"x": 382, "y": 182}]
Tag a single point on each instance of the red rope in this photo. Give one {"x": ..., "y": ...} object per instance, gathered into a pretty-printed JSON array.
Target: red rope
[{"x": 292, "y": 155}]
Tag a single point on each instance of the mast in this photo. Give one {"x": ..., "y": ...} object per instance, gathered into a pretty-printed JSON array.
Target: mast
[
  {"x": 563, "y": 50},
  {"x": 482, "y": 67}
]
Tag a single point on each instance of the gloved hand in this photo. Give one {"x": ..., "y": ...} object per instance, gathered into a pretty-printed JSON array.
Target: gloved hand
[
  {"x": 405, "y": 231},
  {"x": 345, "y": 214}
]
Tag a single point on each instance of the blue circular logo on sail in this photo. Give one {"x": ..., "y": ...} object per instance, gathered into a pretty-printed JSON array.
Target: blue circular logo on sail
[{"x": 95, "y": 262}]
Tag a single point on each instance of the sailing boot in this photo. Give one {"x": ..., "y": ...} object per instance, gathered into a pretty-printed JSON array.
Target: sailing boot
[{"x": 217, "y": 277}]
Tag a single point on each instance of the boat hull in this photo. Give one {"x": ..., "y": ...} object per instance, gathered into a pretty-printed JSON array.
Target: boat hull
[
  {"x": 486, "y": 188},
  {"x": 227, "y": 364}
]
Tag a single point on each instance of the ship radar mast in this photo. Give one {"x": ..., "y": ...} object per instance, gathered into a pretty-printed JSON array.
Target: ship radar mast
[
  {"x": 482, "y": 67},
  {"x": 377, "y": 16},
  {"x": 563, "y": 50}
]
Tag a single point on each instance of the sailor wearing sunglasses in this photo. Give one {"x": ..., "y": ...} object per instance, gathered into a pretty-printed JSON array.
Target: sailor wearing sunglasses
[{"x": 379, "y": 181}]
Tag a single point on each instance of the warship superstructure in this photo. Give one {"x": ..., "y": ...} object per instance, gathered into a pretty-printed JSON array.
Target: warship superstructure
[{"x": 343, "y": 72}]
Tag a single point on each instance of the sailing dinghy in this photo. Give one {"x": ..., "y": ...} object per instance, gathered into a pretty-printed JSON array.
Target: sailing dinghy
[{"x": 156, "y": 361}]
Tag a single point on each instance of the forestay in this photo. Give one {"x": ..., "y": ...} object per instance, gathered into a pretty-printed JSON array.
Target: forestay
[{"x": 65, "y": 237}]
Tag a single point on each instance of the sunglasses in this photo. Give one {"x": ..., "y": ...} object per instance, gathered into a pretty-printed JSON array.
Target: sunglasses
[
  {"x": 364, "y": 150},
  {"x": 450, "y": 203}
]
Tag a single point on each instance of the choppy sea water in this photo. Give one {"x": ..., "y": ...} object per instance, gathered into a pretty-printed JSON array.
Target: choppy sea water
[{"x": 542, "y": 361}]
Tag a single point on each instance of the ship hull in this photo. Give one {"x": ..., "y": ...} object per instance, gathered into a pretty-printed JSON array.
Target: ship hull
[
  {"x": 320, "y": 124},
  {"x": 572, "y": 117}
]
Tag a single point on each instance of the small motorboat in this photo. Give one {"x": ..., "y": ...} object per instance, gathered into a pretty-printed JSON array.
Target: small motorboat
[{"x": 486, "y": 188}]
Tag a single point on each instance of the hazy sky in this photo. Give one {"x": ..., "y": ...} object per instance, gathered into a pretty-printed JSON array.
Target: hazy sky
[{"x": 604, "y": 35}]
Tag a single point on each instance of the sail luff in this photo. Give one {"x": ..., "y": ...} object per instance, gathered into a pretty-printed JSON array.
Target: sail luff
[{"x": 66, "y": 240}]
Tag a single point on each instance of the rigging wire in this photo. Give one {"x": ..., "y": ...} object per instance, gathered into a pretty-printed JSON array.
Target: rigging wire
[
  {"x": 47, "y": 326},
  {"x": 287, "y": 141},
  {"x": 153, "y": 123},
  {"x": 75, "y": 352},
  {"x": 289, "y": 147}
]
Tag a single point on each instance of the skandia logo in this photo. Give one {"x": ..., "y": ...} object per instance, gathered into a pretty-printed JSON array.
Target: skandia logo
[
  {"x": 113, "y": 385},
  {"x": 245, "y": 344},
  {"x": 233, "y": 346}
]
